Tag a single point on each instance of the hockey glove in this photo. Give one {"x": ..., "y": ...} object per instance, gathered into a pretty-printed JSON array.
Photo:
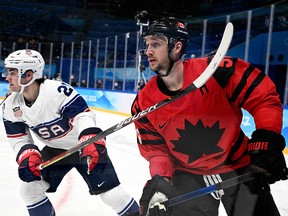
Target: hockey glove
[
  {"x": 94, "y": 154},
  {"x": 156, "y": 190},
  {"x": 265, "y": 150},
  {"x": 28, "y": 160}
]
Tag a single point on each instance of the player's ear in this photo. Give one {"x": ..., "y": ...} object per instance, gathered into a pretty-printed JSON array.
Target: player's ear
[
  {"x": 178, "y": 47},
  {"x": 29, "y": 74}
]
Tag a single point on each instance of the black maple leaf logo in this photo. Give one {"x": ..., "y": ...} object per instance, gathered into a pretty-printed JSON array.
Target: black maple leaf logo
[{"x": 198, "y": 140}]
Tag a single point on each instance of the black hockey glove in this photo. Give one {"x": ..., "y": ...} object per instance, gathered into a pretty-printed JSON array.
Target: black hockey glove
[
  {"x": 265, "y": 150},
  {"x": 156, "y": 191},
  {"x": 28, "y": 159}
]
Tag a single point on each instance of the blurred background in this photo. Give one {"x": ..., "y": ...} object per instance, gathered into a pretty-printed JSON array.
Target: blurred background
[{"x": 95, "y": 43}]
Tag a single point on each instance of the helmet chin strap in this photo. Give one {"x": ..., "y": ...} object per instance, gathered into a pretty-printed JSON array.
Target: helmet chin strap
[
  {"x": 168, "y": 71},
  {"x": 170, "y": 66},
  {"x": 24, "y": 85}
]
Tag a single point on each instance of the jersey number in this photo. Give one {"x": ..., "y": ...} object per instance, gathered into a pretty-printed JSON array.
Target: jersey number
[{"x": 66, "y": 89}]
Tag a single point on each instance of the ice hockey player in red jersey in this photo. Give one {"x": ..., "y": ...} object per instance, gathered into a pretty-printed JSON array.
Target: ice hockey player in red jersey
[
  {"x": 197, "y": 141},
  {"x": 59, "y": 116}
]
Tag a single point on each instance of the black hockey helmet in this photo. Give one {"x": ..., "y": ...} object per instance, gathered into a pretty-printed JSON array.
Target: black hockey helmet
[{"x": 175, "y": 30}]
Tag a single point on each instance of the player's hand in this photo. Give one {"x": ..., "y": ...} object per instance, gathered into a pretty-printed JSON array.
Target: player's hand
[
  {"x": 265, "y": 150},
  {"x": 91, "y": 155},
  {"x": 156, "y": 191},
  {"x": 28, "y": 159}
]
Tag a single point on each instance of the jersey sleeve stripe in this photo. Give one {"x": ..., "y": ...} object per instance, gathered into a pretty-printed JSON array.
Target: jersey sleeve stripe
[
  {"x": 144, "y": 131},
  {"x": 251, "y": 88},
  {"x": 15, "y": 135},
  {"x": 14, "y": 128},
  {"x": 242, "y": 83}
]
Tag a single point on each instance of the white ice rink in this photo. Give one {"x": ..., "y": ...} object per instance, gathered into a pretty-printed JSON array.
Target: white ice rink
[{"x": 73, "y": 198}]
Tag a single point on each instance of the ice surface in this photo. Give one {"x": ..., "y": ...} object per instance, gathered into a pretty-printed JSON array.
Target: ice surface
[{"x": 73, "y": 198}]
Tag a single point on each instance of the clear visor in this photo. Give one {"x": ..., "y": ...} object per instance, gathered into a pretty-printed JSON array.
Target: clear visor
[
  {"x": 10, "y": 71},
  {"x": 13, "y": 72},
  {"x": 4, "y": 74},
  {"x": 155, "y": 41}
]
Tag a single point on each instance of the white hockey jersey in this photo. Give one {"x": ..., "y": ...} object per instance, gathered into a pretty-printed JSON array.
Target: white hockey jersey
[{"x": 57, "y": 117}]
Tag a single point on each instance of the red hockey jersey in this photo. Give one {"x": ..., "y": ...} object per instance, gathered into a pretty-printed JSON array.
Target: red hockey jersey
[{"x": 200, "y": 132}]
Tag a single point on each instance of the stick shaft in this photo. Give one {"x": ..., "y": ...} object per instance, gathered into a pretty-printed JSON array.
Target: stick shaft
[
  {"x": 4, "y": 99},
  {"x": 206, "y": 190},
  {"x": 210, "y": 189},
  {"x": 200, "y": 81}
]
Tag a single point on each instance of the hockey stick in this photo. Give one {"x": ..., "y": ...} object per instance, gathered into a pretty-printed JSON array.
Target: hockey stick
[
  {"x": 206, "y": 190},
  {"x": 210, "y": 189},
  {"x": 200, "y": 81},
  {"x": 7, "y": 95},
  {"x": 3, "y": 101}
]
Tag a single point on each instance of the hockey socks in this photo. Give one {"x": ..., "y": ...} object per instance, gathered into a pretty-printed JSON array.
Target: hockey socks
[
  {"x": 131, "y": 207},
  {"x": 43, "y": 208},
  {"x": 119, "y": 200}
]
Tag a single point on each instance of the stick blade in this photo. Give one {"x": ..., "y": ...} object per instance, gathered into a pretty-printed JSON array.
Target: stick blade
[{"x": 218, "y": 57}]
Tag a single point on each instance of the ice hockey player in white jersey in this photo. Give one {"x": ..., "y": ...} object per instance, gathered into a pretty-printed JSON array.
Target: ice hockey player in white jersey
[{"x": 58, "y": 116}]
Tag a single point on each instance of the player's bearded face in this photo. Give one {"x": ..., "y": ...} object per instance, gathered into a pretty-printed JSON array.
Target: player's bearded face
[{"x": 157, "y": 53}]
